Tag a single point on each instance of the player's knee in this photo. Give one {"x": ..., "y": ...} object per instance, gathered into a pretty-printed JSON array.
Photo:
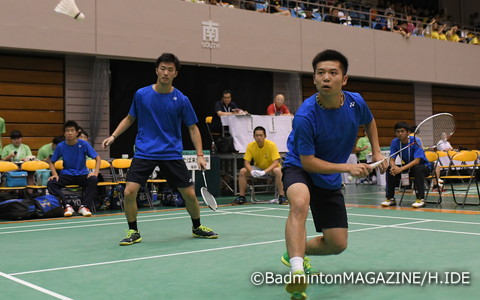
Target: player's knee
[
  {"x": 339, "y": 247},
  {"x": 243, "y": 172},
  {"x": 130, "y": 194},
  {"x": 300, "y": 208},
  {"x": 277, "y": 172}
]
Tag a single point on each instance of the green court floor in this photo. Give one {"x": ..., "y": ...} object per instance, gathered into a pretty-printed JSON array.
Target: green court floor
[{"x": 79, "y": 258}]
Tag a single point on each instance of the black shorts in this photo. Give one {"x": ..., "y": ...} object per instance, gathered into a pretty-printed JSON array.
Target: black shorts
[
  {"x": 174, "y": 171},
  {"x": 327, "y": 206}
]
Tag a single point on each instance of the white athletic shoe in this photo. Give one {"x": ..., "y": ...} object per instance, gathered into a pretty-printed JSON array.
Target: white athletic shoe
[
  {"x": 68, "y": 212},
  {"x": 419, "y": 203},
  {"x": 84, "y": 211},
  {"x": 389, "y": 202}
]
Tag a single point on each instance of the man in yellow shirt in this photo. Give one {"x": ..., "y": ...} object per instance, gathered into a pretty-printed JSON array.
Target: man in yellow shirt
[{"x": 266, "y": 162}]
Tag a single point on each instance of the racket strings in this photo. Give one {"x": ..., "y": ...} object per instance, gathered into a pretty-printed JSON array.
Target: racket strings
[{"x": 434, "y": 129}]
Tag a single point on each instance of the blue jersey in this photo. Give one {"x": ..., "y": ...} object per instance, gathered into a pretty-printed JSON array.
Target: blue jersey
[
  {"x": 409, "y": 154},
  {"x": 160, "y": 118},
  {"x": 328, "y": 134},
  {"x": 74, "y": 157}
]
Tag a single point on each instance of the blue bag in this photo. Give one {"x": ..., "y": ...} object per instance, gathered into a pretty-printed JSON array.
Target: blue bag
[
  {"x": 15, "y": 178},
  {"x": 48, "y": 206}
]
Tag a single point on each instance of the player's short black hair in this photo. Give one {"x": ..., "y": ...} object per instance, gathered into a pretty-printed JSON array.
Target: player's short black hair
[
  {"x": 260, "y": 128},
  {"x": 401, "y": 125},
  {"x": 71, "y": 123},
  {"x": 331, "y": 55},
  {"x": 170, "y": 58},
  {"x": 83, "y": 132},
  {"x": 15, "y": 134}
]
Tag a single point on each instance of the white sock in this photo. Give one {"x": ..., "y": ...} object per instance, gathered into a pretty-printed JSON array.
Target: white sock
[{"x": 296, "y": 263}]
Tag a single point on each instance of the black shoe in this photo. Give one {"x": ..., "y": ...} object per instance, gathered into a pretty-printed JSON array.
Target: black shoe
[
  {"x": 204, "y": 232},
  {"x": 239, "y": 200},
  {"x": 282, "y": 200}
]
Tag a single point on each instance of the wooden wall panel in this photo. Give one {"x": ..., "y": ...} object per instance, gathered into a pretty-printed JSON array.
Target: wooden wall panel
[
  {"x": 79, "y": 87},
  {"x": 13, "y": 103},
  {"x": 464, "y": 105},
  {"x": 32, "y": 98}
]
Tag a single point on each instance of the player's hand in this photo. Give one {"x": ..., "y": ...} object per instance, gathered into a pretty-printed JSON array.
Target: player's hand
[
  {"x": 202, "y": 164},
  {"x": 359, "y": 170},
  {"x": 53, "y": 177},
  {"x": 395, "y": 170},
  {"x": 384, "y": 165},
  {"x": 257, "y": 173},
  {"x": 261, "y": 173},
  {"x": 92, "y": 174},
  {"x": 108, "y": 141}
]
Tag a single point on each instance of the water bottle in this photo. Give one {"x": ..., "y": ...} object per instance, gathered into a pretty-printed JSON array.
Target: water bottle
[{"x": 154, "y": 197}]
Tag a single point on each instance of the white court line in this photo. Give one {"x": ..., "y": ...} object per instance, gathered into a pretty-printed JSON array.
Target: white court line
[
  {"x": 167, "y": 255},
  {"x": 308, "y": 219},
  {"x": 404, "y": 218},
  {"x": 121, "y": 221},
  {"x": 83, "y": 221},
  {"x": 101, "y": 218},
  {"x": 434, "y": 230},
  {"x": 35, "y": 287}
]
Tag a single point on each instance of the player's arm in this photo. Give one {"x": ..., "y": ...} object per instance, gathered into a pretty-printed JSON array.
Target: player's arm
[
  {"x": 122, "y": 126},
  {"x": 248, "y": 165},
  {"x": 197, "y": 143},
  {"x": 313, "y": 164},
  {"x": 52, "y": 169},
  {"x": 372, "y": 133}
]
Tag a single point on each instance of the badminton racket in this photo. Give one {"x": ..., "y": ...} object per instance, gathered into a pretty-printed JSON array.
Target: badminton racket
[
  {"x": 207, "y": 197},
  {"x": 428, "y": 132}
]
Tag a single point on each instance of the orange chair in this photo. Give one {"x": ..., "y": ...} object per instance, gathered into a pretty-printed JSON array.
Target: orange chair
[
  {"x": 33, "y": 166},
  {"x": 465, "y": 171}
]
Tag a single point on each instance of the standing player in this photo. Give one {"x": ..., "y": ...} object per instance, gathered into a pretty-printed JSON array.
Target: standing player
[
  {"x": 323, "y": 136},
  {"x": 160, "y": 109}
]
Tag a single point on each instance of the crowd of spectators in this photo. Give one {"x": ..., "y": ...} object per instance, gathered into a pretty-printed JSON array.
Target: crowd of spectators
[{"x": 408, "y": 18}]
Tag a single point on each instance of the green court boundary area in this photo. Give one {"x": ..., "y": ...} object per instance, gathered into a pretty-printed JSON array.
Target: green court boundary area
[{"x": 424, "y": 254}]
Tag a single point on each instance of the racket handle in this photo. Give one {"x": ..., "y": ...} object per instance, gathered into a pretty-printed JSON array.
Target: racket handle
[
  {"x": 373, "y": 166},
  {"x": 376, "y": 164}
]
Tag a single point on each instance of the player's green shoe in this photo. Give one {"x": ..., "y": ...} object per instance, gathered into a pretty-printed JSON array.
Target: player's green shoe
[
  {"x": 133, "y": 236},
  {"x": 309, "y": 270},
  {"x": 298, "y": 285}
]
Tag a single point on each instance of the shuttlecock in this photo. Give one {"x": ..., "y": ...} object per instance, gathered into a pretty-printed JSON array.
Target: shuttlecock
[{"x": 69, "y": 8}]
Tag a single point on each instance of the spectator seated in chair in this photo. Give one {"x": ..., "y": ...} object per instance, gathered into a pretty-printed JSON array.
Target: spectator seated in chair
[
  {"x": 74, "y": 152},
  {"x": 267, "y": 162}
]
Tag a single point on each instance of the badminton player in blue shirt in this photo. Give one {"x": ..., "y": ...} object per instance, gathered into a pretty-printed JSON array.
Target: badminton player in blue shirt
[
  {"x": 160, "y": 110},
  {"x": 324, "y": 132}
]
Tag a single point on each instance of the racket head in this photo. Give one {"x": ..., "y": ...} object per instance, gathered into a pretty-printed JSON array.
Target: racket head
[
  {"x": 434, "y": 128},
  {"x": 209, "y": 199}
]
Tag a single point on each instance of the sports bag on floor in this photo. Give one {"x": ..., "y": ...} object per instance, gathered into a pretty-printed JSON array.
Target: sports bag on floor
[
  {"x": 48, "y": 206},
  {"x": 17, "y": 209}
]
